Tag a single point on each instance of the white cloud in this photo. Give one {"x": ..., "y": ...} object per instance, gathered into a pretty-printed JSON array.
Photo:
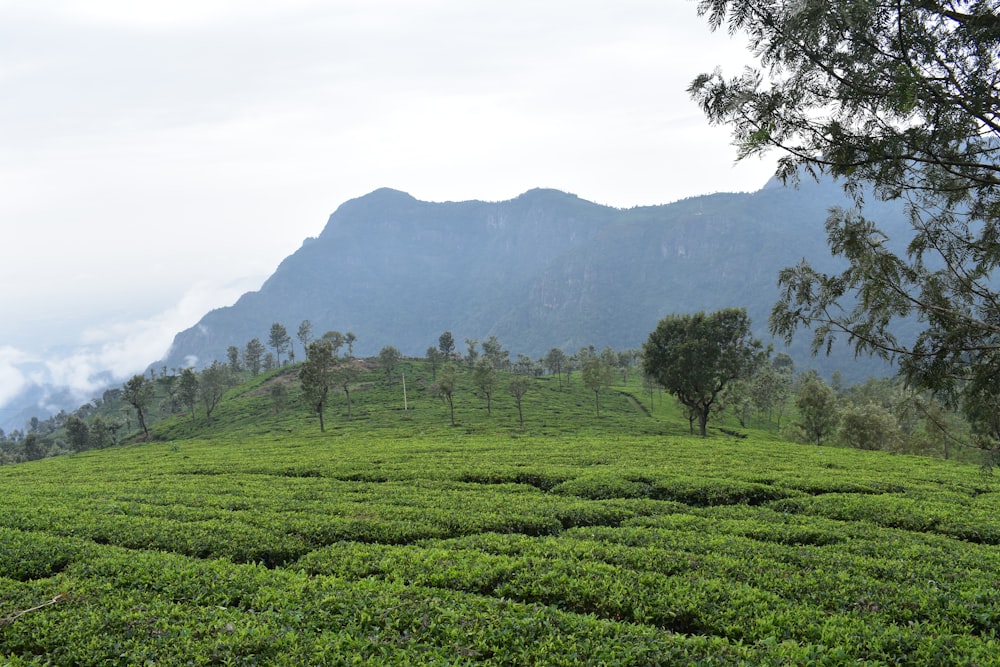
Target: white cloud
[
  {"x": 12, "y": 379},
  {"x": 108, "y": 354}
]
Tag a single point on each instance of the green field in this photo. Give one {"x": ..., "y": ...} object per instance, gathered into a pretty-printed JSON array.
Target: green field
[{"x": 396, "y": 538}]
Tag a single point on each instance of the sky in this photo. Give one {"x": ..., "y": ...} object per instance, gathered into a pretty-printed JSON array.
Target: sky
[{"x": 159, "y": 159}]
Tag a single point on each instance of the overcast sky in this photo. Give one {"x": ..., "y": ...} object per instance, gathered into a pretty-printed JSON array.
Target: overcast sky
[{"x": 157, "y": 159}]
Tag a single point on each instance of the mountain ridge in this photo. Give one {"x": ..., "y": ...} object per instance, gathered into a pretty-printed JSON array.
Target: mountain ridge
[{"x": 544, "y": 269}]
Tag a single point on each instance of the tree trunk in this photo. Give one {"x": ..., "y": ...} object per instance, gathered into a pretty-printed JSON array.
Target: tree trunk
[
  {"x": 319, "y": 411},
  {"x": 347, "y": 391},
  {"x": 597, "y": 402},
  {"x": 703, "y": 422}
]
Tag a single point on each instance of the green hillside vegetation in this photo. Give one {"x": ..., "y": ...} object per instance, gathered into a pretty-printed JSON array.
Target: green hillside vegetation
[{"x": 396, "y": 538}]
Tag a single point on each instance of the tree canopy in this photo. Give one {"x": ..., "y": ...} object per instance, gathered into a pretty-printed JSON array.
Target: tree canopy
[
  {"x": 695, "y": 356},
  {"x": 899, "y": 100},
  {"x": 317, "y": 376}
]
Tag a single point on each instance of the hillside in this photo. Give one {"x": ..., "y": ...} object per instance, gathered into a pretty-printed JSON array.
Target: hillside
[
  {"x": 544, "y": 270},
  {"x": 394, "y": 538}
]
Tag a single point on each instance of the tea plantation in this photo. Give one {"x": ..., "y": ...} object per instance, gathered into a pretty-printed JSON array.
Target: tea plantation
[{"x": 395, "y": 538}]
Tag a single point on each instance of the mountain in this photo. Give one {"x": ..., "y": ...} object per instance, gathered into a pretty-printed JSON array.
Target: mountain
[{"x": 546, "y": 269}]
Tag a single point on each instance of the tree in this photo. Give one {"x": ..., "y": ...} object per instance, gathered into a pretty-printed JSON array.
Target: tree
[
  {"x": 446, "y": 343},
  {"x": 518, "y": 388},
  {"x": 445, "y": 388},
  {"x": 473, "y": 353},
  {"x": 344, "y": 375},
  {"x": 695, "y": 356},
  {"x": 34, "y": 449},
  {"x": 101, "y": 433},
  {"x": 493, "y": 350},
  {"x": 187, "y": 393},
  {"x": 350, "y": 339},
  {"x": 78, "y": 433},
  {"x": 388, "y": 359},
  {"x": 869, "y": 426},
  {"x": 316, "y": 376},
  {"x": 555, "y": 359},
  {"x": 769, "y": 389},
  {"x": 139, "y": 392},
  {"x": 214, "y": 383},
  {"x": 305, "y": 333},
  {"x": 596, "y": 376},
  {"x": 253, "y": 356},
  {"x": 336, "y": 340},
  {"x": 817, "y": 406},
  {"x": 484, "y": 377},
  {"x": 434, "y": 357},
  {"x": 233, "y": 355},
  {"x": 279, "y": 340},
  {"x": 898, "y": 100}
]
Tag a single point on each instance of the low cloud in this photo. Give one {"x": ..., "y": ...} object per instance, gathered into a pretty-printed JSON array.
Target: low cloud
[
  {"x": 109, "y": 353},
  {"x": 12, "y": 379}
]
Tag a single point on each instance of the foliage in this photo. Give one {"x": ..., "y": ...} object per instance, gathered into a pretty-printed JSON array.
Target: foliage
[
  {"x": 279, "y": 340},
  {"x": 817, "y": 407},
  {"x": 695, "y": 356},
  {"x": 518, "y": 387},
  {"x": 253, "y": 356},
  {"x": 596, "y": 376},
  {"x": 900, "y": 100},
  {"x": 484, "y": 377},
  {"x": 388, "y": 359},
  {"x": 869, "y": 426},
  {"x": 446, "y": 344},
  {"x": 214, "y": 382},
  {"x": 446, "y": 386},
  {"x": 317, "y": 376},
  {"x": 139, "y": 393}
]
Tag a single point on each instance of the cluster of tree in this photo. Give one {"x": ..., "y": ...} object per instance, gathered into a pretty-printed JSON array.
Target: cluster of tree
[
  {"x": 899, "y": 101},
  {"x": 880, "y": 414}
]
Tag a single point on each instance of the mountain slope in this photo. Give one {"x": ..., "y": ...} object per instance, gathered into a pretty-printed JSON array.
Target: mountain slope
[{"x": 546, "y": 269}]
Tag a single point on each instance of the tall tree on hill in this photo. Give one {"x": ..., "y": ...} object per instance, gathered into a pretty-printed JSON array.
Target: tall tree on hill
[
  {"x": 336, "y": 340},
  {"x": 434, "y": 358},
  {"x": 345, "y": 375},
  {"x": 518, "y": 388},
  {"x": 279, "y": 340},
  {"x": 596, "y": 376},
  {"x": 139, "y": 392},
  {"x": 899, "y": 100},
  {"x": 446, "y": 386},
  {"x": 78, "y": 433},
  {"x": 493, "y": 350},
  {"x": 233, "y": 356},
  {"x": 187, "y": 393},
  {"x": 695, "y": 356},
  {"x": 446, "y": 343},
  {"x": 472, "y": 354},
  {"x": 350, "y": 338},
  {"x": 388, "y": 359},
  {"x": 253, "y": 356},
  {"x": 317, "y": 376},
  {"x": 484, "y": 377},
  {"x": 305, "y": 333},
  {"x": 555, "y": 359},
  {"x": 215, "y": 381}
]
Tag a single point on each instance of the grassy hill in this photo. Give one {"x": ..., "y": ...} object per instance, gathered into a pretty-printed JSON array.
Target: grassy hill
[{"x": 395, "y": 538}]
